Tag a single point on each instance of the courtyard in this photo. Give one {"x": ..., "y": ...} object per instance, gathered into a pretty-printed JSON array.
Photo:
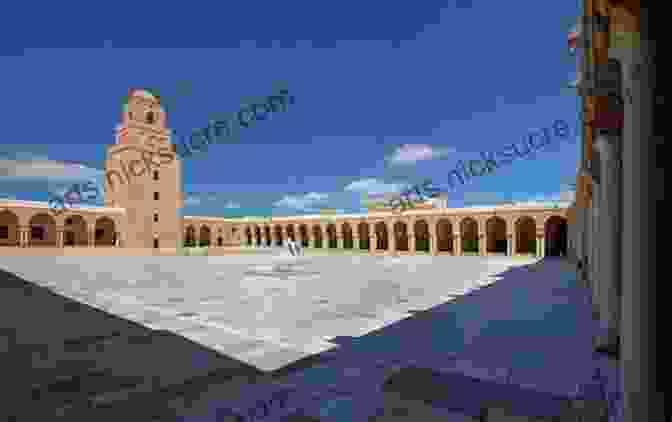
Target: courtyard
[{"x": 268, "y": 310}]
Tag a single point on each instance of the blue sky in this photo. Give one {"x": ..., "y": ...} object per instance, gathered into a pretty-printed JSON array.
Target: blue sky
[{"x": 385, "y": 94}]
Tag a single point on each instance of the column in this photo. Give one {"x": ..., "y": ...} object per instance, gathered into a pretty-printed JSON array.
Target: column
[
  {"x": 457, "y": 244},
  {"x": 391, "y": 240},
  {"x": 642, "y": 192},
  {"x": 59, "y": 237},
  {"x": 355, "y": 241},
  {"x": 24, "y": 239},
  {"x": 92, "y": 235},
  {"x": 514, "y": 244},
  {"x": 373, "y": 239},
  {"x": 411, "y": 240},
  {"x": 609, "y": 244},
  {"x": 339, "y": 239},
  {"x": 433, "y": 243},
  {"x": 482, "y": 240}
]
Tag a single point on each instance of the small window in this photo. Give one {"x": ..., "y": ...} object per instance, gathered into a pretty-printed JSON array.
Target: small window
[
  {"x": 37, "y": 233},
  {"x": 156, "y": 175},
  {"x": 68, "y": 221},
  {"x": 156, "y": 243},
  {"x": 156, "y": 196},
  {"x": 156, "y": 217},
  {"x": 150, "y": 117},
  {"x": 4, "y": 232}
]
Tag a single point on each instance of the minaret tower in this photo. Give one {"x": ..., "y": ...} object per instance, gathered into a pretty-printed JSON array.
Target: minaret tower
[{"x": 143, "y": 175}]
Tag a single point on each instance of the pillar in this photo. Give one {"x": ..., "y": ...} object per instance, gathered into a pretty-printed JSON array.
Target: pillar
[
  {"x": 433, "y": 244},
  {"x": 609, "y": 243},
  {"x": 482, "y": 244},
  {"x": 411, "y": 241},
  {"x": 59, "y": 237},
  {"x": 512, "y": 244},
  {"x": 373, "y": 240},
  {"x": 642, "y": 192},
  {"x": 91, "y": 235},
  {"x": 391, "y": 240},
  {"x": 355, "y": 241},
  {"x": 457, "y": 244},
  {"x": 24, "y": 239}
]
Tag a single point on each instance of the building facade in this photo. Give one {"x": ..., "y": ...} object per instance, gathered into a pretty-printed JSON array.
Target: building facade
[
  {"x": 143, "y": 192},
  {"x": 619, "y": 185}
]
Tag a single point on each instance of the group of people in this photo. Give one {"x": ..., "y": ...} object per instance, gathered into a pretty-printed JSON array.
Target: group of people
[{"x": 294, "y": 247}]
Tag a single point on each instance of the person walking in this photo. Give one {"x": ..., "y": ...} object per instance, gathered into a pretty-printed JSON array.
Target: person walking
[{"x": 290, "y": 245}]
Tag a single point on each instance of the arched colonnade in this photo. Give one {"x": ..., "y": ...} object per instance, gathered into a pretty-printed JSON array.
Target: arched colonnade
[{"x": 536, "y": 233}]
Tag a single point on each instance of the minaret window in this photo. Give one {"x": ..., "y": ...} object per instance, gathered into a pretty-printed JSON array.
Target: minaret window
[
  {"x": 156, "y": 175},
  {"x": 156, "y": 196},
  {"x": 156, "y": 217}
]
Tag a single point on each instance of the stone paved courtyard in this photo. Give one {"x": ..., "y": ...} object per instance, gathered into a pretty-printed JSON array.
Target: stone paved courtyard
[{"x": 266, "y": 310}]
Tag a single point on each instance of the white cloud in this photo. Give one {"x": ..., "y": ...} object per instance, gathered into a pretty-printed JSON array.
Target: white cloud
[
  {"x": 412, "y": 153},
  {"x": 374, "y": 187},
  {"x": 231, "y": 204},
  {"x": 28, "y": 166},
  {"x": 549, "y": 199},
  {"x": 192, "y": 200},
  {"x": 309, "y": 202}
]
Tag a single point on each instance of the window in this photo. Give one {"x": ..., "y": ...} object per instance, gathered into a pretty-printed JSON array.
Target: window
[
  {"x": 156, "y": 196},
  {"x": 156, "y": 175},
  {"x": 4, "y": 232},
  {"x": 150, "y": 117},
  {"x": 156, "y": 217},
  {"x": 100, "y": 233},
  {"x": 68, "y": 221},
  {"x": 37, "y": 233},
  {"x": 156, "y": 243}
]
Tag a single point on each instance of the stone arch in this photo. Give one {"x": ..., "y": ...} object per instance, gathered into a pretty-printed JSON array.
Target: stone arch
[
  {"x": 290, "y": 232},
  {"x": 400, "y": 230},
  {"x": 267, "y": 233},
  {"x": 381, "y": 236},
  {"x": 421, "y": 232},
  {"x": 279, "y": 238},
  {"x": 469, "y": 234},
  {"x": 75, "y": 232},
  {"x": 42, "y": 230},
  {"x": 9, "y": 228},
  {"x": 303, "y": 234},
  {"x": 317, "y": 236},
  {"x": 204, "y": 236},
  {"x": 105, "y": 233},
  {"x": 363, "y": 231},
  {"x": 190, "y": 236},
  {"x": 444, "y": 235},
  {"x": 495, "y": 229},
  {"x": 348, "y": 242},
  {"x": 555, "y": 233},
  {"x": 332, "y": 240},
  {"x": 257, "y": 235},
  {"x": 526, "y": 235}
]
